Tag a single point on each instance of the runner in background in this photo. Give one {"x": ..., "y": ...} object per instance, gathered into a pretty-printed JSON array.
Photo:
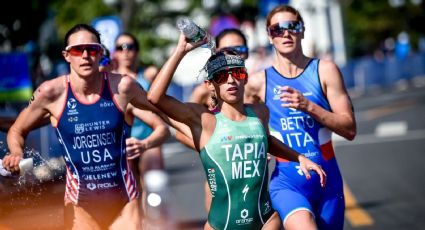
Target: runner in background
[{"x": 148, "y": 131}]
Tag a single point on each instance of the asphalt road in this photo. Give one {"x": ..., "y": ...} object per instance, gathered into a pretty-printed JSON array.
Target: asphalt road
[{"x": 382, "y": 169}]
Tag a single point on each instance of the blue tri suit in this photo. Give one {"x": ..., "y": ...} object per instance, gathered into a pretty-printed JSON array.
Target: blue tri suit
[
  {"x": 140, "y": 129},
  {"x": 289, "y": 189},
  {"x": 98, "y": 178}
]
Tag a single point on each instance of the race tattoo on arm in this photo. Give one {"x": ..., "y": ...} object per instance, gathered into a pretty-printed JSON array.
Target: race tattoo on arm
[{"x": 33, "y": 97}]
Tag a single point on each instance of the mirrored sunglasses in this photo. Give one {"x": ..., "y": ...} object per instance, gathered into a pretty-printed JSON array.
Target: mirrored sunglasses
[
  {"x": 239, "y": 50},
  {"x": 77, "y": 50},
  {"x": 126, "y": 46},
  {"x": 238, "y": 73},
  {"x": 278, "y": 29}
]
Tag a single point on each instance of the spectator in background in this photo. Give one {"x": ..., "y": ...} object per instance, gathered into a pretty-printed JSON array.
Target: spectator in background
[
  {"x": 402, "y": 46},
  {"x": 222, "y": 22},
  {"x": 307, "y": 101}
]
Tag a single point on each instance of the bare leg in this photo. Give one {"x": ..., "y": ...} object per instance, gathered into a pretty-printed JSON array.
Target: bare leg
[
  {"x": 208, "y": 197},
  {"x": 300, "y": 220},
  {"x": 273, "y": 223},
  {"x": 207, "y": 226},
  {"x": 129, "y": 217},
  {"x": 83, "y": 220}
]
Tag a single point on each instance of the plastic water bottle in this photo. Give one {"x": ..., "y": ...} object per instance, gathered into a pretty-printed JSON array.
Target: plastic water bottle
[
  {"x": 194, "y": 33},
  {"x": 25, "y": 165},
  {"x": 158, "y": 213}
]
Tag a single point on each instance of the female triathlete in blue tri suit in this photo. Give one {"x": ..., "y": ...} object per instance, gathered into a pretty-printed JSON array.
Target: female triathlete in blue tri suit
[
  {"x": 307, "y": 102},
  {"x": 87, "y": 108}
]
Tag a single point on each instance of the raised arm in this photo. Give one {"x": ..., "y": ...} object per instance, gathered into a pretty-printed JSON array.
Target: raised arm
[{"x": 181, "y": 112}]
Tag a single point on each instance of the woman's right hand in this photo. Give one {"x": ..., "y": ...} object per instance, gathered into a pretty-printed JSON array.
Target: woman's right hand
[
  {"x": 11, "y": 162},
  {"x": 186, "y": 46}
]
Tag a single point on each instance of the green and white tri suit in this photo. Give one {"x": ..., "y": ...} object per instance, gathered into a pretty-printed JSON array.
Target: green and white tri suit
[{"x": 235, "y": 162}]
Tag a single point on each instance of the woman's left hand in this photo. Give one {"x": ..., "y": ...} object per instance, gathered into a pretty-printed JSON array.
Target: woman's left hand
[
  {"x": 134, "y": 148},
  {"x": 292, "y": 98},
  {"x": 306, "y": 165}
]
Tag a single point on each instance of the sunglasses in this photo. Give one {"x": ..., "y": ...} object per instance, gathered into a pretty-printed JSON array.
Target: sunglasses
[
  {"x": 92, "y": 49},
  {"x": 278, "y": 29},
  {"x": 126, "y": 46},
  {"x": 238, "y": 73},
  {"x": 239, "y": 50}
]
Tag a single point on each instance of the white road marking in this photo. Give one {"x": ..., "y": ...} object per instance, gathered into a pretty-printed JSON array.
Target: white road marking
[{"x": 393, "y": 128}]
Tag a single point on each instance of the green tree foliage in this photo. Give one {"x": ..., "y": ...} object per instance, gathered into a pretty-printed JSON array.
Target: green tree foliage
[
  {"x": 369, "y": 23},
  {"x": 69, "y": 13}
]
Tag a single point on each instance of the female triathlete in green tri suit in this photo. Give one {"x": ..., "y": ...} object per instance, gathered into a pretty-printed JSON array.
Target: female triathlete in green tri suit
[{"x": 233, "y": 143}]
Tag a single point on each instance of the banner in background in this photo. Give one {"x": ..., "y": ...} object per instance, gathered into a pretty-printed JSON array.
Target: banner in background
[
  {"x": 109, "y": 28},
  {"x": 15, "y": 79}
]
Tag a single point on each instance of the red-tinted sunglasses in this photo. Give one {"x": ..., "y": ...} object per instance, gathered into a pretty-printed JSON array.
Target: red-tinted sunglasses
[
  {"x": 92, "y": 49},
  {"x": 238, "y": 73}
]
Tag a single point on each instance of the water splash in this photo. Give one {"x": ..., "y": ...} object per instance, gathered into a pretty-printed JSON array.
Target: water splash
[{"x": 32, "y": 187}]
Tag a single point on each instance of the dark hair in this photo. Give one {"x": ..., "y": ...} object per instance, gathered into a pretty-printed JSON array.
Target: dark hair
[
  {"x": 135, "y": 42},
  {"x": 80, "y": 27},
  {"x": 283, "y": 8},
  {"x": 230, "y": 31},
  {"x": 223, "y": 59}
]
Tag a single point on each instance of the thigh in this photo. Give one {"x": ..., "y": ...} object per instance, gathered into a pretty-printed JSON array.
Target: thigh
[
  {"x": 81, "y": 219},
  {"x": 208, "y": 197},
  {"x": 273, "y": 222},
  {"x": 300, "y": 220},
  {"x": 286, "y": 202},
  {"x": 129, "y": 217},
  {"x": 207, "y": 226},
  {"x": 151, "y": 159}
]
